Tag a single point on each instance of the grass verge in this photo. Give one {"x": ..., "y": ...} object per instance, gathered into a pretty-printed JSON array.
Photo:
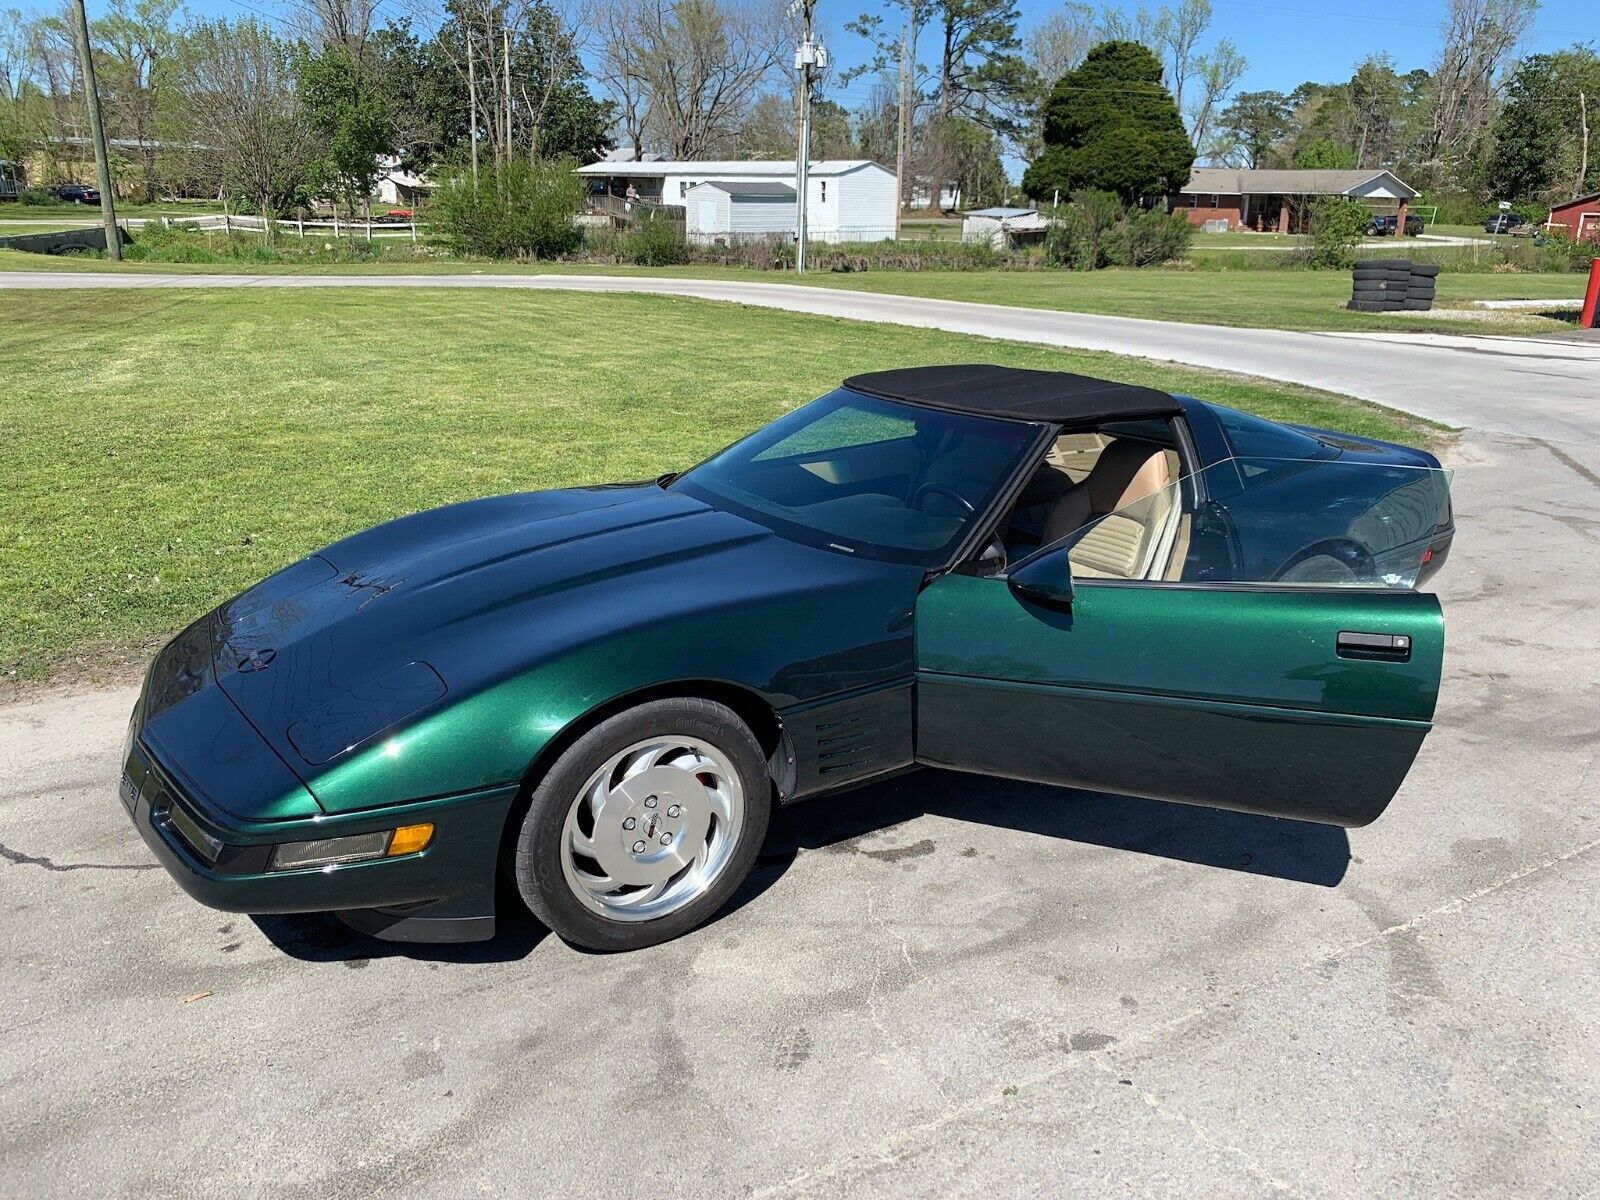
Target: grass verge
[{"x": 1264, "y": 299}]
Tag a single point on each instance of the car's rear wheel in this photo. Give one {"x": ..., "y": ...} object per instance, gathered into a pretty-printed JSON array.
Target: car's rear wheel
[{"x": 645, "y": 826}]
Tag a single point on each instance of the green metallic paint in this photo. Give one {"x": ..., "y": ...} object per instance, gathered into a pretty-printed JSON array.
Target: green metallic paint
[{"x": 1232, "y": 697}]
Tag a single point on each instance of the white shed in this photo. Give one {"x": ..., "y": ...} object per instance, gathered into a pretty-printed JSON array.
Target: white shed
[
  {"x": 734, "y": 211},
  {"x": 850, "y": 199}
]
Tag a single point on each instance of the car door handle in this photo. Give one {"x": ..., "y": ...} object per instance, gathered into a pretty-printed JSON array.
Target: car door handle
[{"x": 1387, "y": 647}]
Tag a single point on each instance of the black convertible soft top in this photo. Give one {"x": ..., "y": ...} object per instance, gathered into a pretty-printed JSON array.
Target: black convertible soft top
[{"x": 1016, "y": 394}]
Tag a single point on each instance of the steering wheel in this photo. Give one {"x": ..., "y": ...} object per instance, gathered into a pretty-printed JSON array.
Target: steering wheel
[{"x": 944, "y": 490}]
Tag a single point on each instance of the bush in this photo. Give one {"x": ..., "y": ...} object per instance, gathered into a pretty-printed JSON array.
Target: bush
[
  {"x": 519, "y": 209},
  {"x": 1338, "y": 224},
  {"x": 658, "y": 242},
  {"x": 36, "y": 195},
  {"x": 1148, "y": 239},
  {"x": 1096, "y": 230}
]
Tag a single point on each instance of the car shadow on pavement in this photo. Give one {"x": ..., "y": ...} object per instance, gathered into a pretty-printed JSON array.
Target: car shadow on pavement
[
  {"x": 1298, "y": 851},
  {"x": 323, "y": 938}
]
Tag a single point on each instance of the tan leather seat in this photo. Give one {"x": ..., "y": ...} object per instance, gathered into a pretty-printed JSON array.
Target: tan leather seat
[{"x": 1123, "y": 538}]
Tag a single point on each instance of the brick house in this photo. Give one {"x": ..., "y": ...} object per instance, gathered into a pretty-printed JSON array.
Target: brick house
[
  {"x": 1580, "y": 218},
  {"x": 1269, "y": 200}
]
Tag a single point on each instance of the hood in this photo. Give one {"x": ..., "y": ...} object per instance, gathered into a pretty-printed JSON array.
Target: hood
[{"x": 420, "y": 612}]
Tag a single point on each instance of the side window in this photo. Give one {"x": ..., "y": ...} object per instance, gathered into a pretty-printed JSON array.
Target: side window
[{"x": 1261, "y": 521}]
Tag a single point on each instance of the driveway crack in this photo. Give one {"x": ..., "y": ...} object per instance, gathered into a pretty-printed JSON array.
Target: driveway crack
[{"x": 49, "y": 864}]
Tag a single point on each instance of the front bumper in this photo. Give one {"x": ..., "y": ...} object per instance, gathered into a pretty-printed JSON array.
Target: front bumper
[{"x": 442, "y": 893}]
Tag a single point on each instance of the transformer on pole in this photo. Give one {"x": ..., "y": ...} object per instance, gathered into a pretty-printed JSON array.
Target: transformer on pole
[{"x": 809, "y": 59}]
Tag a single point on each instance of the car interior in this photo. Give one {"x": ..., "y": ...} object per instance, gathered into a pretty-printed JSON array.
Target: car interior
[{"x": 1111, "y": 494}]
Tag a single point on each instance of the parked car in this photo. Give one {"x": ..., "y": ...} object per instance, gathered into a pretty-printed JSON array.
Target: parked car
[
  {"x": 1385, "y": 226},
  {"x": 1508, "y": 223},
  {"x": 76, "y": 193},
  {"x": 598, "y": 694}
]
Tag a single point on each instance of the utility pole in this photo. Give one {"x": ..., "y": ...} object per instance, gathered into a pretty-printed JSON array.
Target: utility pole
[
  {"x": 97, "y": 132},
  {"x": 902, "y": 138},
  {"x": 505, "y": 33},
  {"x": 808, "y": 58},
  {"x": 472, "y": 103},
  {"x": 1583, "y": 160}
]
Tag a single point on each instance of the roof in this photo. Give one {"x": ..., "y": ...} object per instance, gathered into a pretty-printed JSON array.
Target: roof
[
  {"x": 764, "y": 189},
  {"x": 1000, "y": 212},
  {"x": 1575, "y": 200},
  {"x": 1015, "y": 393},
  {"x": 1245, "y": 181},
  {"x": 778, "y": 168}
]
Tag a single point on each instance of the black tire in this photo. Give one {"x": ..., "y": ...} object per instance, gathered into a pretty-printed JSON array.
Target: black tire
[
  {"x": 1368, "y": 306},
  {"x": 539, "y": 876},
  {"x": 1417, "y": 305},
  {"x": 1426, "y": 269},
  {"x": 1364, "y": 287}
]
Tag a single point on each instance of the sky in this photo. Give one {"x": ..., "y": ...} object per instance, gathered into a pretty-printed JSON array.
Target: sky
[{"x": 1285, "y": 41}]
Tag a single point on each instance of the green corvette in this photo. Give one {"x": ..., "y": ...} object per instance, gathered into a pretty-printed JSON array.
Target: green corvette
[{"x": 598, "y": 694}]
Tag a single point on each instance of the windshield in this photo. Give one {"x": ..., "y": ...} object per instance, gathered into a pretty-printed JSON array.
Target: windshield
[{"x": 866, "y": 476}]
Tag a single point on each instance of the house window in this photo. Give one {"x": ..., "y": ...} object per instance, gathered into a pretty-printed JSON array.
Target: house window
[
  {"x": 824, "y": 191},
  {"x": 1216, "y": 201},
  {"x": 1194, "y": 200},
  {"x": 683, "y": 188}
]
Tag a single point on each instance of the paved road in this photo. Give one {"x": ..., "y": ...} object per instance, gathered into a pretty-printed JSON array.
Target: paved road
[
  {"x": 946, "y": 985},
  {"x": 1547, "y": 388}
]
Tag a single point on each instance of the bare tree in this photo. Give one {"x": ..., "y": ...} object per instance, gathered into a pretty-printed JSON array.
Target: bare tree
[
  {"x": 1059, "y": 42},
  {"x": 1213, "y": 80},
  {"x": 618, "y": 69},
  {"x": 243, "y": 106},
  {"x": 694, "y": 66},
  {"x": 1479, "y": 38}
]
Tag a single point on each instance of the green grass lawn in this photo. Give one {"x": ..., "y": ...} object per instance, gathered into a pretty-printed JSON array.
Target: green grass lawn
[
  {"x": 163, "y": 450},
  {"x": 125, "y": 208}
]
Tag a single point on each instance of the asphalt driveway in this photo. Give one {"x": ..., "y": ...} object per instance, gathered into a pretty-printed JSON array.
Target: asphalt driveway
[{"x": 942, "y": 985}]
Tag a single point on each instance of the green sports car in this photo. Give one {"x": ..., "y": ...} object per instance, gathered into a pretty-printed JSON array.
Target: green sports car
[{"x": 600, "y": 693}]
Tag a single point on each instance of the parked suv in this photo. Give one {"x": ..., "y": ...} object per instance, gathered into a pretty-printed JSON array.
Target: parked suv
[
  {"x": 1506, "y": 223},
  {"x": 1384, "y": 226}
]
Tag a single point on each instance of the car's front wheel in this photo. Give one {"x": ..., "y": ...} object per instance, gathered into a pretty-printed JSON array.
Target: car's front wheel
[{"x": 645, "y": 826}]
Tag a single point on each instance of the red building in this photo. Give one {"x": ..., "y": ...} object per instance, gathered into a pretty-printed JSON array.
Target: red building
[
  {"x": 1580, "y": 218},
  {"x": 1269, "y": 200}
]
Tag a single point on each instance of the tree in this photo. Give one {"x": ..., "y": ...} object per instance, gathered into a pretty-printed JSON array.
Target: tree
[
  {"x": 694, "y": 67},
  {"x": 242, "y": 104},
  {"x": 345, "y": 104},
  {"x": 134, "y": 43},
  {"x": 1256, "y": 121},
  {"x": 1324, "y": 155},
  {"x": 1112, "y": 125},
  {"x": 1479, "y": 37},
  {"x": 1539, "y": 151}
]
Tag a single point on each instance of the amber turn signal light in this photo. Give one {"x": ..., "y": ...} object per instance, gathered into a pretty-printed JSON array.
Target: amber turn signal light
[{"x": 408, "y": 839}]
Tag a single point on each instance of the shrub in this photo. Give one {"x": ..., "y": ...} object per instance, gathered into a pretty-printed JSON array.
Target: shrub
[
  {"x": 518, "y": 209},
  {"x": 658, "y": 242},
  {"x": 1338, "y": 224},
  {"x": 1096, "y": 230},
  {"x": 1148, "y": 239},
  {"x": 36, "y": 195}
]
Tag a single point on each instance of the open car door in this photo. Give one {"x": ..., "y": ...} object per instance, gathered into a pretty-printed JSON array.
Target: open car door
[{"x": 1247, "y": 638}]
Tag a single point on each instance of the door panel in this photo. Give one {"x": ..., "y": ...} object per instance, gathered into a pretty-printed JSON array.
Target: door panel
[{"x": 1235, "y": 697}]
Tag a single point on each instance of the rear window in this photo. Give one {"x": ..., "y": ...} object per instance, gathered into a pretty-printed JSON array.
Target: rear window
[{"x": 1256, "y": 437}]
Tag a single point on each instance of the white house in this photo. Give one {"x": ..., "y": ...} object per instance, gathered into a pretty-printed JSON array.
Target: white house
[
  {"x": 849, "y": 199},
  {"x": 400, "y": 187}
]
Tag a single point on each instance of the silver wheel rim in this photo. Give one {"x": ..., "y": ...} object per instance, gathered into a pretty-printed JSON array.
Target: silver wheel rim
[{"x": 653, "y": 828}]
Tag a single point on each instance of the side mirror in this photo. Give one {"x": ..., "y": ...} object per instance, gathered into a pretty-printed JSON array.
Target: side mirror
[{"x": 1046, "y": 579}]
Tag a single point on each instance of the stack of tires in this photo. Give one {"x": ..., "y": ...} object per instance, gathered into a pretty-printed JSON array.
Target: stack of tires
[{"x": 1393, "y": 285}]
